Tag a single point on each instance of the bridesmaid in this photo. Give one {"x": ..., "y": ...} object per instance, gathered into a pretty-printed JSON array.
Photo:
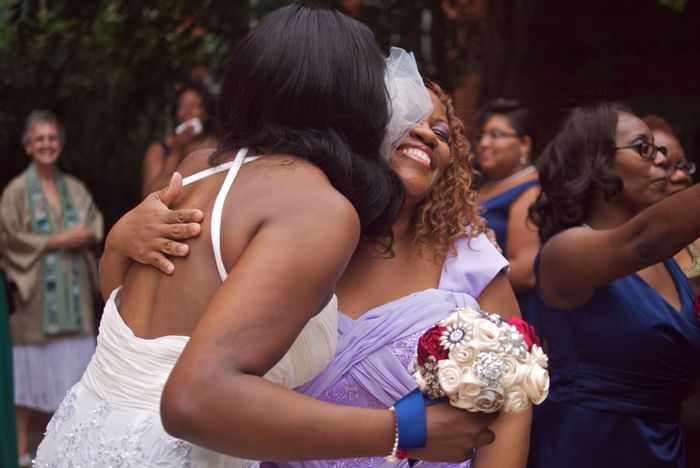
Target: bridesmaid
[
  {"x": 624, "y": 341},
  {"x": 680, "y": 178},
  {"x": 504, "y": 146}
]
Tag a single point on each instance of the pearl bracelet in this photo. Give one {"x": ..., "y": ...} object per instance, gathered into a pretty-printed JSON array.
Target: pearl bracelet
[{"x": 392, "y": 457}]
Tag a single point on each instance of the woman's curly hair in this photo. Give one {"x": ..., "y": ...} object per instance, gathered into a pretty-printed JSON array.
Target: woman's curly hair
[
  {"x": 574, "y": 164},
  {"x": 443, "y": 216}
]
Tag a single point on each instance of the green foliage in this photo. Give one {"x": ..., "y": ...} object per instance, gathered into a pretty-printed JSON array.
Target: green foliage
[
  {"x": 678, "y": 5},
  {"x": 108, "y": 69}
]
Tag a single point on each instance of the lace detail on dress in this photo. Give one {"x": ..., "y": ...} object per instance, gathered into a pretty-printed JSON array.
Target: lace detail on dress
[
  {"x": 65, "y": 411},
  {"x": 405, "y": 349},
  {"x": 86, "y": 443},
  {"x": 347, "y": 391}
]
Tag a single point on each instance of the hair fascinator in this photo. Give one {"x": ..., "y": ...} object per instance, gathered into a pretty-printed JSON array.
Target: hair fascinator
[{"x": 409, "y": 101}]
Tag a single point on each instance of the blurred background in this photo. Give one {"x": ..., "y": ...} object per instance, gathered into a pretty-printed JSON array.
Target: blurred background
[{"x": 110, "y": 68}]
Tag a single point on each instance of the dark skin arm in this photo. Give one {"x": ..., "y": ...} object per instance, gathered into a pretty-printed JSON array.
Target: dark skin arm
[
  {"x": 601, "y": 256},
  {"x": 512, "y": 430}
]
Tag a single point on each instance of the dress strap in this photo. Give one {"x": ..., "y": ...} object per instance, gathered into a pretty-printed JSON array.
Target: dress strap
[
  {"x": 197, "y": 176},
  {"x": 216, "y": 213}
]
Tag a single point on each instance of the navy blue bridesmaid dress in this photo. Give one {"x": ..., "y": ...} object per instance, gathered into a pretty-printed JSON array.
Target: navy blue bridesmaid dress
[
  {"x": 620, "y": 367},
  {"x": 496, "y": 211}
]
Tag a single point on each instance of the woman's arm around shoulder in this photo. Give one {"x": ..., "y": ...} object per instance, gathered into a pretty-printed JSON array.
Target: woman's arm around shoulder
[{"x": 148, "y": 234}]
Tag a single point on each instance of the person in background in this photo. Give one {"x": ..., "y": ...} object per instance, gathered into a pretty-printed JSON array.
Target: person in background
[
  {"x": 194, "y": 116},
  {"x": 49, "y": 231},
  {"x": 615, "y": 309},
  {"x": 680, "y": 178},
  {"x": 688, "y": 258},
  {"x": 505, "y": 141}
]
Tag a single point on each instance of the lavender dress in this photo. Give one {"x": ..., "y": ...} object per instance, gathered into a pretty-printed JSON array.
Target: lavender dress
[{"x": 370, "y": 365}]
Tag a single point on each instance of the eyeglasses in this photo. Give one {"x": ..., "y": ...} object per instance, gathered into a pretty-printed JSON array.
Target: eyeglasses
[
  {"x": 646, "y": 150},
  {"x": 685, "y": 166},
  {"x": 495, "y": 134}
]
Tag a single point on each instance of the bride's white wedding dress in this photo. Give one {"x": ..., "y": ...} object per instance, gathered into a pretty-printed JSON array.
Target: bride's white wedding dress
[{"x": 111, "y": 418}]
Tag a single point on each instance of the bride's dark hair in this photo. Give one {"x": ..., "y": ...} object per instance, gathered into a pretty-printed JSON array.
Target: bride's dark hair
[{"x": 309, "y": 81}]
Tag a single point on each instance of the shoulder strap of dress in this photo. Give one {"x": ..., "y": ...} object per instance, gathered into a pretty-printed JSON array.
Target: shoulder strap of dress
[
  {"x": 197, "y": 176},
  {"x": 235, "y": 166}
]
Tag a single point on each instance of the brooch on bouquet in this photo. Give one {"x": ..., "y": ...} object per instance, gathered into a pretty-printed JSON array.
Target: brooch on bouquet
[{"x": 480, "y": 362}]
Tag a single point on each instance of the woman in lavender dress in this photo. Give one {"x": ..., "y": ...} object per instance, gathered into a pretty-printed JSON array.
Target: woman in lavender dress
[{"x": 440, "y": 259}]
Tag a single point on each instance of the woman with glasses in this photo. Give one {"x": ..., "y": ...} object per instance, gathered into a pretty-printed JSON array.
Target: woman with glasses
[
  {"x": 615, "y": 309},
  {"x": 504, "y": 145}
]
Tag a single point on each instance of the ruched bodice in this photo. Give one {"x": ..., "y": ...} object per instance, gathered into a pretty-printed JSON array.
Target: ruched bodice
[
  {"x": 621, "y": 365},
  {"x": 128, "y": 368}
]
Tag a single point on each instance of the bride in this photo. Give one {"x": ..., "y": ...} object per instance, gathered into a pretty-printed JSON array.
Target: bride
[{"x": 305, "y": 92}]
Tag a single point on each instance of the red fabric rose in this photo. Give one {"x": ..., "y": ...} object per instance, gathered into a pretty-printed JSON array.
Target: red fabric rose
[
  {"x": 429, "y": 345},
  {"x": 525, "y": 329},
  {"x": 697, "y": 307}
]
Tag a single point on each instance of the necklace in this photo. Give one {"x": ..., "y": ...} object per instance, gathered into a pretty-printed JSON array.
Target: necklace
[
  {"x": 497, "y": 183},
  {"x": 693, "y": 271}
]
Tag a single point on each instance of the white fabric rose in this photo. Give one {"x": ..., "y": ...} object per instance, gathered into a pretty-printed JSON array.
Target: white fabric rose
[
  {"x": 467, "y": 315},
  {"x": 470, "y": 385},
  {"x": 536, "y": 383},
  {"x": 490, "y": 400},
  {"x": 464, "y": 356},
  {"x": 449, "y": 375},
  {"x": 539, "y": 356},
  {"x": 516, "y": 400},
  {"x": 487, "y": 334}
]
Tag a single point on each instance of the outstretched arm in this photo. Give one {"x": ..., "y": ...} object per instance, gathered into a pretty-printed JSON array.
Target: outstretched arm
[
  {"x": 148, "y": 233},
  {"x": 576, "y": 261}
]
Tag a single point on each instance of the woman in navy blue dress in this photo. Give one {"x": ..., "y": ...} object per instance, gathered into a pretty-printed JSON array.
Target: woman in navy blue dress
[
  {"x": 616, "y": 311},
  {"x": 505, "y": 143}
]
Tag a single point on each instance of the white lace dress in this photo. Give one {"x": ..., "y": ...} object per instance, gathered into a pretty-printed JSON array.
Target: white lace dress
[{"x": 111, "y": 418}]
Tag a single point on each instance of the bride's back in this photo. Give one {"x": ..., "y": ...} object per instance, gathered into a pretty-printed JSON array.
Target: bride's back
[{"x": 153, "y": 304}]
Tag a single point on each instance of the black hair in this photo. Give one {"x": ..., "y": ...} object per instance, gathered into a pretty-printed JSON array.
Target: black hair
[
  {"x": 309, "y": 81},
  {"x": 519, "y": 117},
  {"x": 574, "y": 164},
  {"x": 208, "y": 101}
]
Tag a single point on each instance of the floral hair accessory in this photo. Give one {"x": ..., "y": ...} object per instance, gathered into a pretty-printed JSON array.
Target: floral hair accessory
[{"x": 482, "y": 363}]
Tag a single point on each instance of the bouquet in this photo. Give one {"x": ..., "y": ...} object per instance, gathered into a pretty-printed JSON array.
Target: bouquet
[{"x": 482, "y": 363}]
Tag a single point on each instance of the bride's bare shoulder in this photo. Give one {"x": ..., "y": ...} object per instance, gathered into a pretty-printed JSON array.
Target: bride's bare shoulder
[{"x": 195, "y": 161}]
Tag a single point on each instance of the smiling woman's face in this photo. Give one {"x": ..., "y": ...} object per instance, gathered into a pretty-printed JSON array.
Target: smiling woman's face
[
  {"x": 644, "y": 181},
  {"x": 422, "y": 157},
  {"x": 678, "y": 179}
]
